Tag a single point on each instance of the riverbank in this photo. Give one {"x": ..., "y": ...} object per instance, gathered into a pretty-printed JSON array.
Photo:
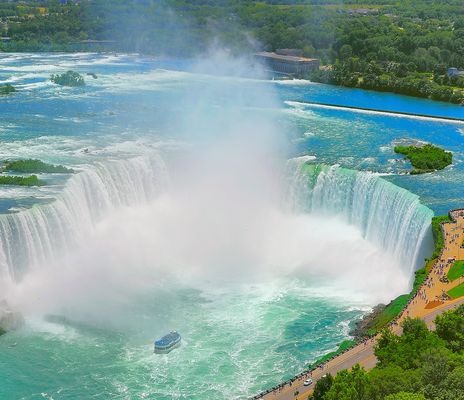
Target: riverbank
[
  {"x": 415, "y": 84},
  {"x": 383, "y": 112},
  {"x": 377, "y": 320},
  {"x": 427, "y": 302}
]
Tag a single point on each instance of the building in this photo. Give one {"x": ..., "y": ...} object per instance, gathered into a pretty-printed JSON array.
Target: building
[
  {"x": 288, "y": 64},
  {"x": 452, "y": 72},
  {"x": 363, "y": 11}
]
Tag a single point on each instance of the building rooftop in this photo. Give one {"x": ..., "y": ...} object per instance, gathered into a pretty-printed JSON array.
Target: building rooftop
[{"x": 276, "y": 56}]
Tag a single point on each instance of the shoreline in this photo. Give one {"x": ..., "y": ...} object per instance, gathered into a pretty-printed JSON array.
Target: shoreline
[
  {"x": 362, "y": 352},
  {"x": 190, "y": 57},
  {"x": 382, "y": 112}
]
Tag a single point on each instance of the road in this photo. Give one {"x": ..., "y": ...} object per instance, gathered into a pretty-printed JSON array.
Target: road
[{"x": 427, "y": 304}]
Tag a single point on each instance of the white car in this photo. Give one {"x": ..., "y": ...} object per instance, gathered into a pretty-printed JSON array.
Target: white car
[{"x": 308, "y": 382}]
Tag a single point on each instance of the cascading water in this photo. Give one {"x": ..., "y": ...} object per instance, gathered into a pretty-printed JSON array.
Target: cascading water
[
  {"x": 386, "y": 214},
  {"x": 36, "y": 235}
]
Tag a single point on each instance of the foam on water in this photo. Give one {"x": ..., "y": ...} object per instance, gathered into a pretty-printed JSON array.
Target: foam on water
[
  {"x": 33, "y": 237},
  {"x": 238, "y": 338},
  {"x": 293, "y": 82},
  {"x": 372, "y": 112},
  {"x": 388, "y": 216}
]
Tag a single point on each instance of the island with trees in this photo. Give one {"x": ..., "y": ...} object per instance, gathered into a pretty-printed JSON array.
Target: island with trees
[
  {"x": 31, "y": 180},
  {"x": 427, "y": 158},
  {"x": 7, "y": 89},
  {"x": 29, "y": 166},
  {"x": 35, "y": 166},
  {"x": 69, "y": 78}
]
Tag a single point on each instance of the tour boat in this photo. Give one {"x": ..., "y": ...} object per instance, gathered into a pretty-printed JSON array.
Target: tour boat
[{"x": 167, "y": 343}]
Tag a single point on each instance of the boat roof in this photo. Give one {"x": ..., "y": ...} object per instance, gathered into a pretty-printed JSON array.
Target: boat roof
[{"x": 168, "y": 339}]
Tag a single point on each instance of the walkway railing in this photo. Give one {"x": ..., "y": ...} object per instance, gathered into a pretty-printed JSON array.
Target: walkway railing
[{"x": 453, "y": 217}]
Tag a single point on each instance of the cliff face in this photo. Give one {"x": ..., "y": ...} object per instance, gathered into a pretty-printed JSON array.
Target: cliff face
[
  {"x": 9, "y": 319},
  {"x": 362, "y": 327}
]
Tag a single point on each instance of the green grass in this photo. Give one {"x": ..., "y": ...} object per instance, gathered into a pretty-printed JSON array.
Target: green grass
[
  {"x": 35, "y": 166},
  {"x": 426, "y": 158},
  {"x": 456, "y": 270},
  {"x": 437, "y": 233},
  {"x": 346, "y": 344},
  {"x": 397, "y": 305},
  {"x": 390, "y": 312},
  {"x": 21, "y": 180},
  {"x": 457, "y": 292}
]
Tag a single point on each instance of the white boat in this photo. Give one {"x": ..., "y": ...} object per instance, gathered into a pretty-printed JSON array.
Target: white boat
[{"x": 167, "y": 343}]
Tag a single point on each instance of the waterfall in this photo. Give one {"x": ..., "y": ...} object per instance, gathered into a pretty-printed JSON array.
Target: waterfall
[
  {"x": 37, "y": 235},
  {"x": 387, "y": 215},
  {"x": 390, "y": 217}
]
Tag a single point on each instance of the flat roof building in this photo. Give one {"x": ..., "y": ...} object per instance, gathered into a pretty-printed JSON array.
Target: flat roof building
[
  {"x": 288, "y": 64},
  {"x": 454, "y": 72}
]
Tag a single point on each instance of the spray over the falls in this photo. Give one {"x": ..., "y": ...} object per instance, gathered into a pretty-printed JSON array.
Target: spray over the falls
[
  {"x": 124, "y": 224},
  {"x": 39, "y": 235},
  {"x": 388, "y": 216},
  {"x": 212, "y": 212}
]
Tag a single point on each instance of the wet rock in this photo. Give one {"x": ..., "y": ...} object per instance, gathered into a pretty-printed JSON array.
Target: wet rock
[
  {"x": 9, "y": 319},
  {"x": 361, "y": 328}
]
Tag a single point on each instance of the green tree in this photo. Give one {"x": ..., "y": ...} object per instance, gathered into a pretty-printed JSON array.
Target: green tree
[
  {"x": 346, "y": 51},
  {"x": 392, "y": 379},
  {"x": 405, "y": 396},
  {"x": 323, "y": 385},
  {"x": 450, "y": 327},
  {"x": 349, "y": 385},
  {"x": 435, "y": 366}
]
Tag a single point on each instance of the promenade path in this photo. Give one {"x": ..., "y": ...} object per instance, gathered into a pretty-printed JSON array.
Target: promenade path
[{"x": 427, "y": 304}]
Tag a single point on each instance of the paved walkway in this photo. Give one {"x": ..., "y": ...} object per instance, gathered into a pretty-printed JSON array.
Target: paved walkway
[{"x": 427, "y": 304}]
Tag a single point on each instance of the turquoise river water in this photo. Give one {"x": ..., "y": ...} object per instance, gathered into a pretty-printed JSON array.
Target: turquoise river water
[{"x": 209, "y": 202}]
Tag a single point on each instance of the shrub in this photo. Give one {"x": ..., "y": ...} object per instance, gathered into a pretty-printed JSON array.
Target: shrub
[
  {"x": 21, "y": 180},
  {"x": 30, "y": 166},
  {"x": 438, "y": 234},
  {"x": 426, "y": 158},
  {"x": 69, "y": 78},
  {"x": 7, "y": 89}
]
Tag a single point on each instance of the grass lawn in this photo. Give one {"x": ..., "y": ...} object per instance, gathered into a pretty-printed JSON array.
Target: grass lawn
[
  {"x": 389, "y": 314},
  {"x": 346, "y": 344},
  {"x": 456, "y": 292},
  {"x": 437, "y": 233},
  {"x": 456, "y": 271}
]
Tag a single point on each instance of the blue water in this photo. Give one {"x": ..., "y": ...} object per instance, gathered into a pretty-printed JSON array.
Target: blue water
[
  {"x": 365, "y": 141},
  {"x": 238, "y": 338}
]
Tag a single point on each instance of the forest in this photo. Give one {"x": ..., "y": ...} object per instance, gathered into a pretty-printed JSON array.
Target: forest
[
  {"x": 419, "y": 365},
  {"x": 404, "y": 47}
]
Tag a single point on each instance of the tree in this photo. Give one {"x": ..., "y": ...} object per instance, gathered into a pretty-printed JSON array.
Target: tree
[
  {"x": 405, "y": 396},
  {"x": 435, "y": 366},
  {"x": 450, "y": 327},
  {"x": 346, "y": 51},
  {"x": 392, "y": 379},
  {"x": 406, "y": 350},
  {"x": 455, "y": 380},
  {"x": 349, "y": 385},
  {"x": 415, "y": 328},
  {"x": 323, "y": 385}
]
